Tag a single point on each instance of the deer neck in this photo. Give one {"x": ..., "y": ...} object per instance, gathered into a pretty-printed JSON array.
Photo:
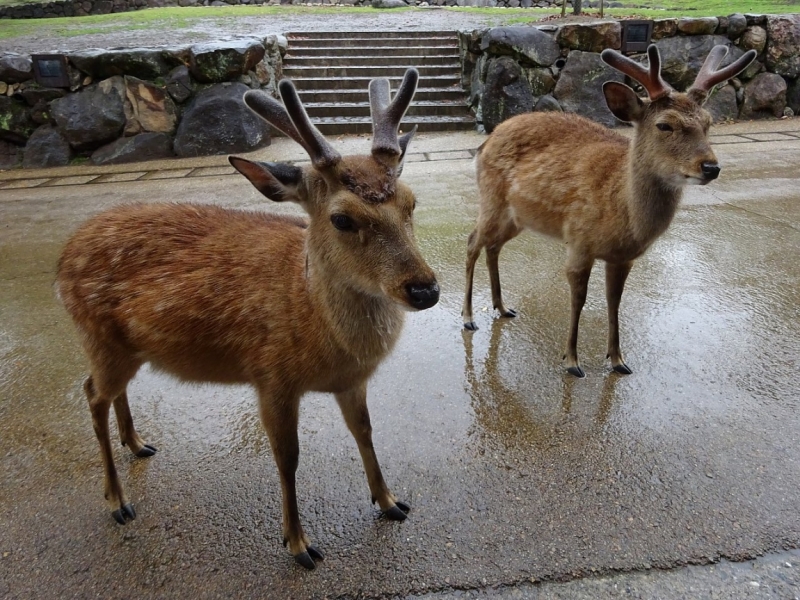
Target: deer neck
[
  {"x": 652, "y": 201},
  {"x": 362, "y": 325}
]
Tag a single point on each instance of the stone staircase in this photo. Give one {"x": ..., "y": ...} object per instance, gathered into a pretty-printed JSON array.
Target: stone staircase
[{"x": 332, "y": 71}]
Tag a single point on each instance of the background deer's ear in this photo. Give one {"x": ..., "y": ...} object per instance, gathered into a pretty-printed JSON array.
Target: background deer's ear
[
  {"x": 623, "y": 102},
  {"x": 277, "y": 181}
]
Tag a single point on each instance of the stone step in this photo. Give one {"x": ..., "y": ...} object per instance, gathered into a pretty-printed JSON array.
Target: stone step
[
  {"x": 328, "y": 83},
  {"x": 345, "y": 96},
  {"x": 355, "y": 125},
  {"x": 332, "y": 71},
  {"x": 354, "y": 72},
  {"x": 453, "y": 108},
  {"x": 368, "y": 60},
  {"x": 325, "y": 51},
  {"x": 338, "y": 35},
  {"x": 360, "y": 42}
]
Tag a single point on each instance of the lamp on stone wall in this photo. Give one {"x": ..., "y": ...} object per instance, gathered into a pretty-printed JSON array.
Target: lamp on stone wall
[
  {"x": 50, "y": 70},
  {"x": 636, "y": 35}
]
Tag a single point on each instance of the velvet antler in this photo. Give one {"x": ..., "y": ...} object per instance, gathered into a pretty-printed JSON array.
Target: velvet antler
[
  {"x": 650, "y": 77},
  {"x": 294, "y": 122},
  {"x": 386, "y": 116},
  {"x": 709, "y": 76}
]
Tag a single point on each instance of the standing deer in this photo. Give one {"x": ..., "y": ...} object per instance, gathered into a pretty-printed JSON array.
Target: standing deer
[
  {"x": 606, "y": 197},
  {"x": 290, "y": 306}
]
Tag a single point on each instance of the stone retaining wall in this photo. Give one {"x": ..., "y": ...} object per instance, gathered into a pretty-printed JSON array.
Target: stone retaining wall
[
  {"x": 138, "y": 104},
  {"x": 511, "y": 70},
  {"x": 80, "y": 8}
]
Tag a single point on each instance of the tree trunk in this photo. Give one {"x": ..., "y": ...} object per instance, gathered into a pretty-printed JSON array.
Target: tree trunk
[{"x": 576, "y": 7}]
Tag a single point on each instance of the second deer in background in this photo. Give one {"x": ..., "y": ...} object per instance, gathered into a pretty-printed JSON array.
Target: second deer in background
[{"x": 606, "y": 197}]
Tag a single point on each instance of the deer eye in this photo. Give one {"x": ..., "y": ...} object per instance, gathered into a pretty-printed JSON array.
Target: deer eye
[
  {"x": 343, "y": 223},
  {"x": 664, "y": 126}
]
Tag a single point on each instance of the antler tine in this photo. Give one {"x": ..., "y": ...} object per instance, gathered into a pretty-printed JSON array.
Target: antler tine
[
  {"x": 650, "y": 77},
  {"x": 322, "y": 154},
  {"x": 708, "y": 76},
  {"x": 272, "y": 111},
  {"x": 386, "y": 115}
]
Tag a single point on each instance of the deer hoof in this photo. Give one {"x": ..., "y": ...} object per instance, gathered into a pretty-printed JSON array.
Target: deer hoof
[
  {"x": 577, "y": 372},
  {"x": 509, "y": 313},
  {"x": 124, "y": 514},
  {"x": 622, "y": 369},
  {"x": 395, "y": 514},
  {"x": 315, "y": 553},
  {"x": 470, "y": 326},
  {"x": 304, "y": 560},
  {"x": 147, "y": 450},
  {"x": 403, "y": 506}
]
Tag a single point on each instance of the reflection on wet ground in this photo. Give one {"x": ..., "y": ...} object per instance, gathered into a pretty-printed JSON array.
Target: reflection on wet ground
[{"x": 515, "y": 471}]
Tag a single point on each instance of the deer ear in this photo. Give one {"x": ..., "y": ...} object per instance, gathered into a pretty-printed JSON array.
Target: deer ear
[
  {"x": 277, "y": 181},
  {"x": 623, "y": 102}
]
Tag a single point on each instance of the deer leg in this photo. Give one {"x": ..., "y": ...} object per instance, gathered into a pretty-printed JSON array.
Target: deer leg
[
  {"x": 616, "y": 274},
  {"x": 101, "y": 389},
  {"x": 353, "y": 404},
  {"x": 279, "y": 416},
  {"x": 127, "y": 432},
  {"x": 474, "y": 247},
  {"x": 492, "y": 256},
  {"x": 578, "y": 271}
]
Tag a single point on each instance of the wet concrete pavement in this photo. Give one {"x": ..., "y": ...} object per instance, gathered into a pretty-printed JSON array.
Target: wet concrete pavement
[{"x": 516, "y": 472}]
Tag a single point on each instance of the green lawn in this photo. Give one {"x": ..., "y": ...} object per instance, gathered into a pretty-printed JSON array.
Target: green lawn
[{"x": 163, "y": 19}]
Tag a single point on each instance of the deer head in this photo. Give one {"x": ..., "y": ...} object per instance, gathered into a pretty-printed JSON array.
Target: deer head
[
  {"x": 361, "y": 228},
  {"x": 672, "y": 127}
]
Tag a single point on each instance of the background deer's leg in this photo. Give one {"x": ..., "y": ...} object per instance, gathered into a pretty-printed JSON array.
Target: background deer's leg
[
  {"x": 474, "y": 247},
  {"x": 279, "y": 415},
  {"x": 578, "y": 270},
  {"x": 102, "y": 387},
  {"x": 127, "y": 432},
  {"x": 492, "y": 255},
  {"x": 615, "y": 283},
  {"x": 353, "y": 404}
]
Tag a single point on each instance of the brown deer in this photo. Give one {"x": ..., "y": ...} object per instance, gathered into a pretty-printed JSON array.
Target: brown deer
[
  {"x": 290, "y": 306},
  {"x": 606, "y": 197}
]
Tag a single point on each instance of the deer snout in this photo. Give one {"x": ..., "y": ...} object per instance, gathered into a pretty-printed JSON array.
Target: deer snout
[
  {"x": 423, "y": 295},
  {"x": 710, "y": 170}
]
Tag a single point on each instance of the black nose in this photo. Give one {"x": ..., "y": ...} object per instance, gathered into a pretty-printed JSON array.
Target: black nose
[
  {"x": 422, "y": 296},
  {"x": 710, "y": 170}
]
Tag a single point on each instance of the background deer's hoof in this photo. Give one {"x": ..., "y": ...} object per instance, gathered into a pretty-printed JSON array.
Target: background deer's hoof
[
  {"x": 315, "y": 553},
  {"x": 403, "y": 506},
  {"x": 124, "y": 514},
  {"x": 304, "y": 560},
  {"x": 147, "y": 450},
  {"x": 470, "y": 326},
  {"x": 508, "y": 313},
  {"x": 622, "y": 369},
  {"x": 577, "y": 372},
  {"x": 396, "y": 513}
]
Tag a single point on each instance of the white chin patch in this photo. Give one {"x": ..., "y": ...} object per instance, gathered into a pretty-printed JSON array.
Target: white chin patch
[{"x": 695, "y": 181}]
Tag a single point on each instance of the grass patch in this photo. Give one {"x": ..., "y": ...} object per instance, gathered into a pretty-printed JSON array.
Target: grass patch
[
  {"x": 177, "y": 18},
  {"x": 660, "y": 9},
  {"x": 174, "y": 17}
]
